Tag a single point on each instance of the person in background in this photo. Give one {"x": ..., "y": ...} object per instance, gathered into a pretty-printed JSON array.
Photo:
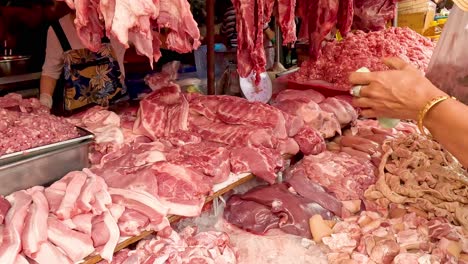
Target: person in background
[
  {"x": 89, "y": 78},
  {"x": 441, "y": 4},
  {"x": 228, "y": 27}
]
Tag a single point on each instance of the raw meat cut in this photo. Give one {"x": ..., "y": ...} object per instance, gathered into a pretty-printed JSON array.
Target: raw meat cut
[
  {"x": 339, "y": 173},
  {"x": 403, "y": 237},
  {"x": 311, "y": 190},
  {"x": 288, "y": 211},
  {"x": 14, "y": 225},
  {"x": 286, "y": 10},
  {"x": 142, "y": 202},
  {"x": 245, "y": 214},
  {"x": 83, "y": 223},
  {"x": 175, "y": 15},
  {"x": 300, "y": 95},
  {"x": 136, "y": 22},
  {"x": 186, "y": 247},
  {"x": 232, "y": 135},
  {"x": 343, "y": 111},
  {"x": 253, "y": 248},
  {"x": 251, "y": 58},
  {"x": 131, "y": 223},
  {"x": 111, "y": 229},
  {"x": 132, "y": 156},
  {"x": 312, "y": 115},
  {"x": 50, "y": 254},
  {"x": 130, "y": 15},
  {"x": 87, "y": 24},
  {"x": 208, "y": 158},
  {"x": 30, "y": 126},
  {"x": 238, "y": 111},
  {"x": 253, "y": 113},
  {"x": 373, "y": 15},
  {"x": 180, "y": 189},
  {"x": 15, "y": 102},
  {"x": 360, "y": 49},
  {"x": 76, "y": 245},
  {"x": 302, "y": 10},
  {"x": 310, "y": 141},
  {"x": 4, "y": 207},
  {"x": 345, "y": 16},
  {"x": 323, "y": 16},
  {"x": 260, "y": 161},
  {"x": 417, "y": 172},
  {"x": 72, "y": 192},
  {"x": 161, "y": 113},
  {"x": 35, "y": 224}
]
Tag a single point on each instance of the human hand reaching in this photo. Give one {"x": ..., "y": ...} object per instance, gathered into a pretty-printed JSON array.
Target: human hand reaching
[
  {"x": 46, "y": 100},
  {"x": 400, "y": 92}
]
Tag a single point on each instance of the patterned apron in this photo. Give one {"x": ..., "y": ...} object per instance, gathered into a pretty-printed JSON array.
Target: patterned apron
[{"x": 89, "y": 78}]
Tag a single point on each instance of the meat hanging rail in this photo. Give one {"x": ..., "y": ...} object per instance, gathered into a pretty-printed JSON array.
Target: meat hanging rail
[{"x": 172, "y": 219}]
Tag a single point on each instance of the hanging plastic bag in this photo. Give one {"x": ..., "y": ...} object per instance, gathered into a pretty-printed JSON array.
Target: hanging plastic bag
[{"x": 448, "y": 68}]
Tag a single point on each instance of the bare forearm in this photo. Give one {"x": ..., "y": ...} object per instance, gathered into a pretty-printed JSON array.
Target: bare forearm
[
  {"x": 448, "y": 124},
  {"x": 48, "y": 85}
]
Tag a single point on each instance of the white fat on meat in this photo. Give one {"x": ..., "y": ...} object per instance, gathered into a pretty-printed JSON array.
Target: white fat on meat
[
  {"x": 82, "y": 223},
  {"x": 169, "y": 246},
  {"x": 109, "y": 231},
  {"x": 342, "y": 110},
  {"x": 300, "y": 95},
  {"x": 130, "y": 14},
  {"x": 4, "y": 207},
  {"x": 184, "y": 35},
  {"x": 56, "y": 192},
  {"x": 98, "y": 117},
  {"x": 87, "y": 24},
  {"x": 262, "y": 162},
  {"x": 67, "y": 207},
  {"x": 35, "y": 228},
  {"x": 253, "y": 248},
  {"x": 88, "y": 198},
  {"x": 50, "y": 254},
  {"x": 312, "y": 115},
  {"x": 116, "y": 211},
  {"x": 14, "y": 224},
  {"x": 161, "y": 113},
  {"x": 181, "y": 189},
  {"x": 21, "y": 259},
  {"x": 76, "y": 245},
  {"x": 241, "y": 111},
  {"x": 132, "y": 222},
  {"x": 340, "y": 242},
  {"x": 141, "y": 202}
]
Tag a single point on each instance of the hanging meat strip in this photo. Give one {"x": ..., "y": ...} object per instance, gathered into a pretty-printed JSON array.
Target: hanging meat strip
[
  {"x": 323, "y": 15},
  {"x": 286, "y": 15},
  {"x": 345, "y": 16},
  {"x": 250, "y": 52},
  {"x": 372, "y": 15}
]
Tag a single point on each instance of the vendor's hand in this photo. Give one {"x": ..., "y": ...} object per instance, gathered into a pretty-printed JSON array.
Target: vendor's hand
[
  {"x": 46, "y": 100},
  {"x": 397, "y": 93}
]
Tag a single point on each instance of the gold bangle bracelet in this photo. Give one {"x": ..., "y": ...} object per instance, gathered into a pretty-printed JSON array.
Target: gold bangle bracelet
[{"x": 427, "y": 108}]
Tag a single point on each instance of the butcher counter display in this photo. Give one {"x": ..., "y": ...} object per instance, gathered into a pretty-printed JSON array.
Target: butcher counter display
[
  {"x": 352, "y": 191},
  {"x": 190, "y": 178}
]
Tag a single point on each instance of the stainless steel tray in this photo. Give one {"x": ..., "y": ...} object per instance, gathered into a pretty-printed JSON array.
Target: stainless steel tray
[
  {"x": 85, "y": 136},
  {"x": 44, "y": 168}
]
